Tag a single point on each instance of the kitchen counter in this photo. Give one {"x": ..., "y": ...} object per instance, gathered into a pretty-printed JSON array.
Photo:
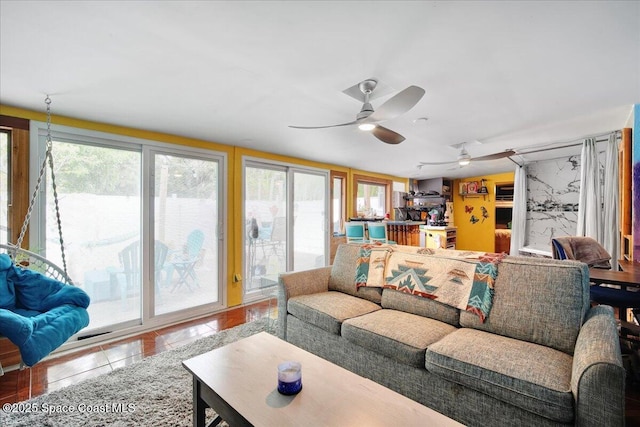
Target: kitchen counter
[
  {"x": 438, "y": 227},
  {"x": 405, "y": 222}
]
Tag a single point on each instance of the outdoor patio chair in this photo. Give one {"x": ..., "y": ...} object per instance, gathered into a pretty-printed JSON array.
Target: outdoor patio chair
[{"x": 184, "y": 262}]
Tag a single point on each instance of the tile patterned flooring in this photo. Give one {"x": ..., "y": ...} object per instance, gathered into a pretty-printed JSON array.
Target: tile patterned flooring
[
  {"x": 55, "y": 373},
  {"x": 59, "y": 372}
]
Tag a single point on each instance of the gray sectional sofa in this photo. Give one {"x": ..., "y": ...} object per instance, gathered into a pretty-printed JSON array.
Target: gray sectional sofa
[{"x": 542, "y": 357}]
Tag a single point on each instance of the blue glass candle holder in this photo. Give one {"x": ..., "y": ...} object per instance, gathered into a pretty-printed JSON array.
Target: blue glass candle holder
[{"x": 289, "y": 377}]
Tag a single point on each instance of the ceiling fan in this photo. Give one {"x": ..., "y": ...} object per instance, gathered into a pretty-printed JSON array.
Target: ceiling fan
[
  {"x": 368, "y": 119},
  {"x": 464, "y": 158}
]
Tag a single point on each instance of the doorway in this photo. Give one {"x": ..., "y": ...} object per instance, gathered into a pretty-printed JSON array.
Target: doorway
[{"x": 503, "y": 215}]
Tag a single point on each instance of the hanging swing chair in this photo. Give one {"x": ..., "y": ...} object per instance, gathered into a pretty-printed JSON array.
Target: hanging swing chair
[{"x": 40, "y": 309}]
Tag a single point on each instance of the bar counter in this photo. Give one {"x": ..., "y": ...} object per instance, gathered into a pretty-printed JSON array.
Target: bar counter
[{"x": 404, "y": 232}]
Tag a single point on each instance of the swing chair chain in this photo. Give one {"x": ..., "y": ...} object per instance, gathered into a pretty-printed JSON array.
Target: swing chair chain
[
  {"x": 55, "y": 198},
  {"x": 47, "y": 101},
  {"x": 48, "y": 156},
  {"x": 27, "y": 218}
]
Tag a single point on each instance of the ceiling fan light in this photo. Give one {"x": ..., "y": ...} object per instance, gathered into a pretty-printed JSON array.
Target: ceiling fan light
[
  {"x": 366, "y": 126},
  {"x": 464, "y": 159}
]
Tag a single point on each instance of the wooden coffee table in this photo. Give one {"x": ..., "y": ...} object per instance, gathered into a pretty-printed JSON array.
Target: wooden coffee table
[{"x": 239, "y": 381}]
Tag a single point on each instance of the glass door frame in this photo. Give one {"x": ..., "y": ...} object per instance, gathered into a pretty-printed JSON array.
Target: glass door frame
[
  {"x": 326, "y": 222},
  {"x": 37, "y": 225},
  {"x": 148, "y": 230},
  {"x": 290, "y": 169}
]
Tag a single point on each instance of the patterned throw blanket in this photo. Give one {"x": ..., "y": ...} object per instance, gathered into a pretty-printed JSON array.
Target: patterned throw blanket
[{"x": 459, "y": 279}]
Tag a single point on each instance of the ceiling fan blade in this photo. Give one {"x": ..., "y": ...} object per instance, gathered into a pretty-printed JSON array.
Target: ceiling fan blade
[
  {"x": 397, "y": 105},
  {"x": 323, "y": 127},
  {"x": 438, "y": 163},
  {"x": 387, "y": 135},
  {"x": 495, "y": 156}
]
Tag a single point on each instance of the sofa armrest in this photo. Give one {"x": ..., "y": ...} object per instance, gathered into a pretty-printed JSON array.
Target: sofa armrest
[
  {"x": 598, "y": 375},
  {"x": 299, "y": 283}
]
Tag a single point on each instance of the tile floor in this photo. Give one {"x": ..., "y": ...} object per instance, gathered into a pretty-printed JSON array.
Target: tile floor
[{"x": 53, "y": 374}]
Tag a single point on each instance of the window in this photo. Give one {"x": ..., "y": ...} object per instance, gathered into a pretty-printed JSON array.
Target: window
[
  {"x": 338, "y": 201},
  {"x": 5, "y": 184},
  {"x": 14, "y": 192},
  {"x": 372, "y": 197}
]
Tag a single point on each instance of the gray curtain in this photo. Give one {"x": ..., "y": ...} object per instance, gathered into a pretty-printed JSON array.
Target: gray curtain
[
  {"x": 519, "y": 213},
  {"x": 590, "y": 201},
  {"x": 611, "y": 202}
]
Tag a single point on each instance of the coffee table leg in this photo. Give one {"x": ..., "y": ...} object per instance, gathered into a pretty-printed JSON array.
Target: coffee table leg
[{"x": 198, "y": 405}]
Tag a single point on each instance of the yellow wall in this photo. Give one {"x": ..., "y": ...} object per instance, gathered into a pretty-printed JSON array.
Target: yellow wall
[
  {"x": 478, "y": 236},
  {"x": 235, "y": 155}
]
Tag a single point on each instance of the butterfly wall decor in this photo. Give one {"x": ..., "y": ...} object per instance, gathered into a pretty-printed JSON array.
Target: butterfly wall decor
[{"x": 485, "y": 213}]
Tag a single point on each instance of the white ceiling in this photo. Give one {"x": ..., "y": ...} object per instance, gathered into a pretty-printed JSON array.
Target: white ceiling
[{"x": 509, "y": 74}]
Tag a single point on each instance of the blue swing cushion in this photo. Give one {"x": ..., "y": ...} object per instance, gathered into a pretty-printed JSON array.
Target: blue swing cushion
[{"x": 37, "y": 313}]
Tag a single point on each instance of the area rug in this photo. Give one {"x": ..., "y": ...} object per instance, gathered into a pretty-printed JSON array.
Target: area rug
[{"x": 155, "y": 391}]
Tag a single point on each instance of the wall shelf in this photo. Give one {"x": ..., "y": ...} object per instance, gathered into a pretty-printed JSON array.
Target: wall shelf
[
  {"x": 483, "y": 195},
  {"x": 473, "y": 189}
]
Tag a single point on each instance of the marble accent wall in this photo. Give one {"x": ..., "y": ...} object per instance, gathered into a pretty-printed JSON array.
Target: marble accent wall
[{"x": 553, "y": 189}]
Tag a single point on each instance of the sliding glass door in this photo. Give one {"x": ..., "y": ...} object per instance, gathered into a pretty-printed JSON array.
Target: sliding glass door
[
  {"x": 310, "y": 220},
  {"x": 285, "y": 221},
  {"x": 141, "y": 226},
  {"x": 100, "y": 204},
  {"x": 266, "y": 222},
  {"x": 186, "y": 231}
]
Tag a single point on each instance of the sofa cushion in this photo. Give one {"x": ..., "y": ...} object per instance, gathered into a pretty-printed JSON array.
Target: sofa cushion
[
  {"x": 38, "y": 334},
  {"x": 397, "y": 300},
  {"x": 398, "y": 335},
  {"x": 540, "y": 300},
  {"x": 343, "y": 273},
  {"x": 327, "y": 310},
  {"x": 524, "y": 374}
]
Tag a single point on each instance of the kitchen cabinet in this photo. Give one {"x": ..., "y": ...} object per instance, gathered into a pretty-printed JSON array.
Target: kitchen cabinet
[{"x": 438, "y": 237}]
